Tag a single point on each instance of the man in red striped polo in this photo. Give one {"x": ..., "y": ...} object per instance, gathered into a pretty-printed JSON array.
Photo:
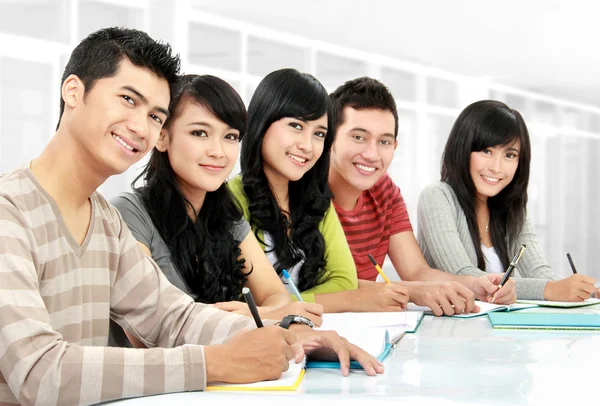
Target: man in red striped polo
[{"x": 369, "y": 204}]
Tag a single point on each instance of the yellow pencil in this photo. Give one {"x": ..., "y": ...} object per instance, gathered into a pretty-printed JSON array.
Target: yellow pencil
[{"x": 376, "y": 265}]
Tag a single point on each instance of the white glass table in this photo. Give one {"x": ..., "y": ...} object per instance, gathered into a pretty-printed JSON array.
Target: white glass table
[{"x": 448, "y": 362}]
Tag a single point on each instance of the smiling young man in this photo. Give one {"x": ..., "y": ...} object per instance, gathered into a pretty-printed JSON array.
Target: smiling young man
[
  {"x": 372, "y": 210},
  {"x": 69, "y": 264}
]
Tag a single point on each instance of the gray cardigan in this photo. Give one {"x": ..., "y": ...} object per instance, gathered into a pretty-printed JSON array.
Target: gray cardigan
[{"x": 443, "y": 235}]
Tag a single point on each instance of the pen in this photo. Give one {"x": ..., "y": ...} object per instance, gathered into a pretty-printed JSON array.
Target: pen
[
  {"x": 290, "y": 282},
  {"x": 511, "y": 268},
  {"x": 396, "y": 340},
  {"x": 571, "y": 263},
  {"x": 376, "y": 265},
  {"x": 252, "y": 306}
]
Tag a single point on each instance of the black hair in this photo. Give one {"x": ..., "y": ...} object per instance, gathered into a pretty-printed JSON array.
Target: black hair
[
  {"x": 289, "y": 93},
  {"x": 362, "y": 93},
  {"x": 481, "y": 125},
  {"x": 100, "y": 53},
  {"x": 203, "y": 249}
]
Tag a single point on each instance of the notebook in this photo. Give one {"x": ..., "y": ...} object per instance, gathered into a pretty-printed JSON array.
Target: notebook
[
  {"x": 549, "y": 303},
  {"x": 546, "y": 321},
  {"x": 289, "y": 381},
  {"x": 484, "y": 307},
  {"x": 373, "y": 332}
]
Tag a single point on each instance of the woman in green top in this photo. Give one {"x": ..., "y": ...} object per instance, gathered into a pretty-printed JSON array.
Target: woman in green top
[{"x": 283, "y": 190}]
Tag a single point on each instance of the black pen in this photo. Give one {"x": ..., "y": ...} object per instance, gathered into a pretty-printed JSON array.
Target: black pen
[
  {"x": 252, "y": 307},
  {"x": 511, "y": 268},
  {"x": 571, "y": 263}
]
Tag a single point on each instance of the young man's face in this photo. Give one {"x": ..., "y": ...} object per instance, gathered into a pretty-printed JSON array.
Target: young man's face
[
  {"x": 120, "y": 118},
  {"x": 364, "y": 146}
]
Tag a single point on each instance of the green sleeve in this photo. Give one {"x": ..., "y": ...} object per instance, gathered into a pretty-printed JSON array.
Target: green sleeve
[
  {"x": 340, "y": 271},
  {"x": 237, "y": 190}
]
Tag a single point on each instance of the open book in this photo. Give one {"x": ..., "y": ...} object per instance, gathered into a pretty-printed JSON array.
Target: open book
[
  {"x": 373, "y": 332},
  {"x": 289, "y": 381},
  {"x": 484, "y": 307}
]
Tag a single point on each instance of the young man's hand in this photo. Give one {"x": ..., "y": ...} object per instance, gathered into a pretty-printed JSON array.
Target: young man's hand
[
  {"x": 444, "y": 298},
  {"x": 328, "y": 345},
  {"x": 261, "y": 354}
]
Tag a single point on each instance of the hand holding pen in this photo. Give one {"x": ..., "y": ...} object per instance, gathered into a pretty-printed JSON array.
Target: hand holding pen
[{"x": 510, "y": 269}]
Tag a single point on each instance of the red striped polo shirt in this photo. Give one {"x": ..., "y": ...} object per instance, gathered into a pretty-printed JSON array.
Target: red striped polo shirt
[{"x": 379, "y": 213}]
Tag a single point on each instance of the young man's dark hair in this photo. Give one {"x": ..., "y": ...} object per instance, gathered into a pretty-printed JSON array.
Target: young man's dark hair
[
  {"x": 98, "y": 56},
  {"x": 362, "y": 93}
]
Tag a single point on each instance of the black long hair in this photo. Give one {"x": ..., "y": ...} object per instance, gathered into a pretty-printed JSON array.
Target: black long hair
[
  {"x": 203, "y": 249},
  {"x": 481, "y": 125},
  {"x": 289, "y": 93}
]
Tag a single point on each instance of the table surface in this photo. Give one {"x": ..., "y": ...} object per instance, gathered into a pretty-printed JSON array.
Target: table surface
[{"x": 450, "y": 361}]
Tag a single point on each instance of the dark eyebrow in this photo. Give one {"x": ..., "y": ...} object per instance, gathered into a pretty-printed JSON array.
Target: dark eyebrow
[
  {"x": 202, "y": 123},
  {"x": 322, "y": 127},
  {"x": 145, "y": 100},
  {"x": 362, "y": 130},
  {"x": 512, "y": 149}
]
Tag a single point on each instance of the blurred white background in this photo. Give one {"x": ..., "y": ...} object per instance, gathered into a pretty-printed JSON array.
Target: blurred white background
[{"x": 436, "y": 56}]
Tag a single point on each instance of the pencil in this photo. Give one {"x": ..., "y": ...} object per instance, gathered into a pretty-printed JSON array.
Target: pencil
[{"x": 376, "y": 265}]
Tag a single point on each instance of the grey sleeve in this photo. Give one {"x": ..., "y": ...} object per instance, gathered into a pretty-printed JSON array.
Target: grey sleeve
[
  {"x": 136, "y": 217},
  {"x": 439, "y": 236},
  {"x": 533, "y": 267},
  {"x": 240, "y": 230}
]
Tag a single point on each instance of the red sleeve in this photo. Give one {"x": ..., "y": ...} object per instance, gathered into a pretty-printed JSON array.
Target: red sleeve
[{"x": 399, "y": 219}]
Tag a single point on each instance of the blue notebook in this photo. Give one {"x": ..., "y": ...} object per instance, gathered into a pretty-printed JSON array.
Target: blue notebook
[{"x": 545, "y": 321}]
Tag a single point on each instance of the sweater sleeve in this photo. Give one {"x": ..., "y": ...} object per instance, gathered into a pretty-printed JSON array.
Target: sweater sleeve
[
  {"x": 439, "y": 236},
  {"x": 340, "y": 271}
]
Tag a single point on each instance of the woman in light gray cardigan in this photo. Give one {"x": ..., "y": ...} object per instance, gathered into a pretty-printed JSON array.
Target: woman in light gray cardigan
[{"x": 475, "y": 219}]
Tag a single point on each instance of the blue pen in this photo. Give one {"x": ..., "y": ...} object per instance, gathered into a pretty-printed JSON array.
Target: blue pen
[{"x": 287, "y": 277}]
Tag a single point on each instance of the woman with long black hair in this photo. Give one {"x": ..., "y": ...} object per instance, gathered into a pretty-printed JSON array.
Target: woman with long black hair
[
  {"x": 475, "y": 219},
  {"x": 184, "y": 216}
]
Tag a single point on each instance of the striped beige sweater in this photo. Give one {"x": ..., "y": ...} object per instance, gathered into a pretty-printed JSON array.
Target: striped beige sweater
[{"x": 56, "y": 298}]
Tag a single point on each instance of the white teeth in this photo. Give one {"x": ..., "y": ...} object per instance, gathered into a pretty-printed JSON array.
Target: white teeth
[
  {"x": 490, "y": 179},
  {"x": 365, "y": 168},
  {"x": 123, "y": 143},
  {"x": 297, "y": 158}
]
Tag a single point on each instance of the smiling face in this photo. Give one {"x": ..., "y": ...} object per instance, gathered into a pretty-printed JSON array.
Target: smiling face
[
  {"x": 291, "y": 147},
  {"x": 494, "y": 168},
  {"x": 202, "y": 149},
  {"x": 364, "y": 147},
  {"x": 119, "y": 119}
]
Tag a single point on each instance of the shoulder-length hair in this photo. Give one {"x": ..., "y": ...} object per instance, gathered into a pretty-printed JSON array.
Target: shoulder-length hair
[
  {"x": 289, "y": 93},
  {"x": 481, "y": 125},
  {"x": 202, "y": 247}
]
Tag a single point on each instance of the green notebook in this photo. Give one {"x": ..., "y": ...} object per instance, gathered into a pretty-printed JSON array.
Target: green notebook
[{"x": 545, "y": 321}]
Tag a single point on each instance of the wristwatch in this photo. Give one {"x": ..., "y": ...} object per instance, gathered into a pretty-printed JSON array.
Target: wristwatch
[{"x": 295, "y": 319}]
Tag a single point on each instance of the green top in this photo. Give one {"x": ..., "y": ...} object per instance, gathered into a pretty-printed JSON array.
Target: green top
[{"x": 340, "y": 271}]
